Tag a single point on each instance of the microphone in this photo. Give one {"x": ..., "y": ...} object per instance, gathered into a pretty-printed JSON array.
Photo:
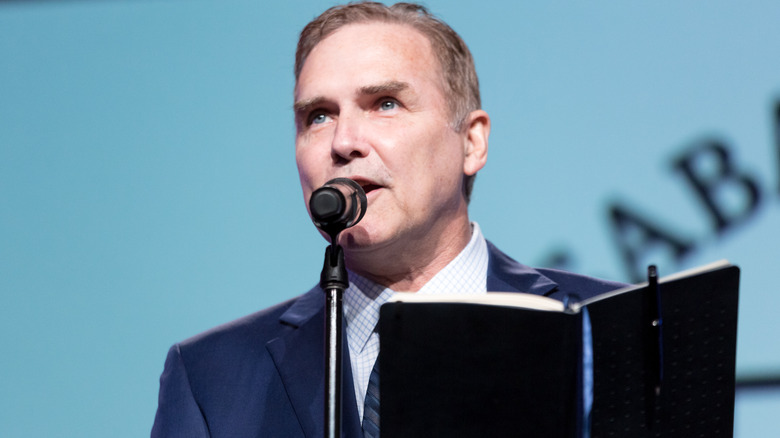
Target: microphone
[{"x": 337, "y": 205}]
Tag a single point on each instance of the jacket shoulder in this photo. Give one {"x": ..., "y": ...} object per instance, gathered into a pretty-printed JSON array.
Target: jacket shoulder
[
  {"x": 506, "y": 274},
  {"x": 578, "y": 285},
  {"x": 248, "y": 333}
]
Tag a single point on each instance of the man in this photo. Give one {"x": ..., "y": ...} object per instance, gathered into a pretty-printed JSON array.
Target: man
[{"x": 386, "y": 96}]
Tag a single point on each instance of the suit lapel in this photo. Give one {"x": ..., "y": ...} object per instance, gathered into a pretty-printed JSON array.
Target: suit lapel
[
  {"x": 507, "y": 275},
  {"x": 299, "y": 358}
]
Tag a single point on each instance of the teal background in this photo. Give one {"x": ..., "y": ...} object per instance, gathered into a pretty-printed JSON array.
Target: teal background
[{"x": 148, "y": 189}]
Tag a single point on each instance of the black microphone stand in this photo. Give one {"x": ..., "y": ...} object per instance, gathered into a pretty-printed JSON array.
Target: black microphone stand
[
  {"x": 336, "y": 206},
  {"x": 333, "y": 280}
]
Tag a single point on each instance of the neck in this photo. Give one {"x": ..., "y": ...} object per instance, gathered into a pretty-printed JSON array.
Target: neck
[{"x": 407, "y": 266}]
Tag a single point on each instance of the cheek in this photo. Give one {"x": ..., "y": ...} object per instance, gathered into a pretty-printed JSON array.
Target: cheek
[
  {"x": 312, "y": 151},
  {"x": 306, "y": 159},
  {"x": 306, "y": 180},
  {"x": 442, "y": 162}
]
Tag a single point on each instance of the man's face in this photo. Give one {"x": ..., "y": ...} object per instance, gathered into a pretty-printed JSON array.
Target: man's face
[{"x": 369, "y": 106}]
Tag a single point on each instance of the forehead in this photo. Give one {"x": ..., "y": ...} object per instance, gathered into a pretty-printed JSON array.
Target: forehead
[{"x": 370, "y": 52}]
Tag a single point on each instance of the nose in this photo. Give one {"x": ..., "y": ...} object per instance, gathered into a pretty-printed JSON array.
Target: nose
[{"x": 349, "y": 141}]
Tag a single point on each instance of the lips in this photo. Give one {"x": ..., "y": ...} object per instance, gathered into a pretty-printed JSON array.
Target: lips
[{"x": 367, "y": 185}]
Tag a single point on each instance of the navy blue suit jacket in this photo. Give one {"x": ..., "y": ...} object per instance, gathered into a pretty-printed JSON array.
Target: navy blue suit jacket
[{"x": 263, "y": 376}]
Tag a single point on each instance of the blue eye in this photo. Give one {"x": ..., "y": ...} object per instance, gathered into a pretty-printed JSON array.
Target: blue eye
[
  {"x": 317, "y": 119},
  {"x": 388, "y": 105}
]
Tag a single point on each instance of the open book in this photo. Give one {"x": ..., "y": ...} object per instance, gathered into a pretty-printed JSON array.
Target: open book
[{"x": 655, "y": 359}]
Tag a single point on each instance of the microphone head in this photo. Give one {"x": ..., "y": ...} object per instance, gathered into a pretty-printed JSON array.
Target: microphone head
[
  {"x": 337, "y": 205},
  {"x": 327, "y": 205}
]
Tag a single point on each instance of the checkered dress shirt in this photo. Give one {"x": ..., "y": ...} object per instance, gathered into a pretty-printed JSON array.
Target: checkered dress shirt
[{"x": 465, "y": 274}]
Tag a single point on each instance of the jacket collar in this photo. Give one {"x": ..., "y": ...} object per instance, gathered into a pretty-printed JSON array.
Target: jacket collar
[{"x": 299, "y": 358}]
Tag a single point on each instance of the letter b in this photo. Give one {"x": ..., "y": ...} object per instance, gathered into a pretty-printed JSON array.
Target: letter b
[{"x": 710, "y": 171}]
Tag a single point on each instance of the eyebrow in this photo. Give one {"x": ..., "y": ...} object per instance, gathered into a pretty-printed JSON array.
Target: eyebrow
[
  {"x": 391, "y": 87},
  {"x": 387, "y": 87},
  {"x": 302, "y": 106}
]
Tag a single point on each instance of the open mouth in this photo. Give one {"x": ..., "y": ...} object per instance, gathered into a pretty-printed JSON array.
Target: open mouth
[
  {"x": 367, "y": 185},
  {"x": 368, "y": 188}
]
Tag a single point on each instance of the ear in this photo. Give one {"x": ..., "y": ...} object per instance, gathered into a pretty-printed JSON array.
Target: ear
[{"x": 476, "y": 141}]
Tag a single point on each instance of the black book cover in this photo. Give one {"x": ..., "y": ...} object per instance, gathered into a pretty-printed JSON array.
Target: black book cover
[
  {"x": 455, "y": 369},
  {"x": 699, "y": 360}
]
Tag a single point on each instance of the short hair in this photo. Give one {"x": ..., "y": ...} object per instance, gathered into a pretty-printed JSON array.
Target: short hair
[{"x": 459, "y": 76}]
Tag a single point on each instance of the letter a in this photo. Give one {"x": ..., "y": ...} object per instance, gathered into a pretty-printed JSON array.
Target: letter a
[{"x": 636, "y": 236}]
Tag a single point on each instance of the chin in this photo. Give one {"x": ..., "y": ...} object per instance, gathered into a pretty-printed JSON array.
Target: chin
[
  {"x": 362, "y": 238},
  {"x": 355, "y": 238}
]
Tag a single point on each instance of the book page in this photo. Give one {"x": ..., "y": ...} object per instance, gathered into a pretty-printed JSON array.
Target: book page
[{"x": 507, "y": 299}]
